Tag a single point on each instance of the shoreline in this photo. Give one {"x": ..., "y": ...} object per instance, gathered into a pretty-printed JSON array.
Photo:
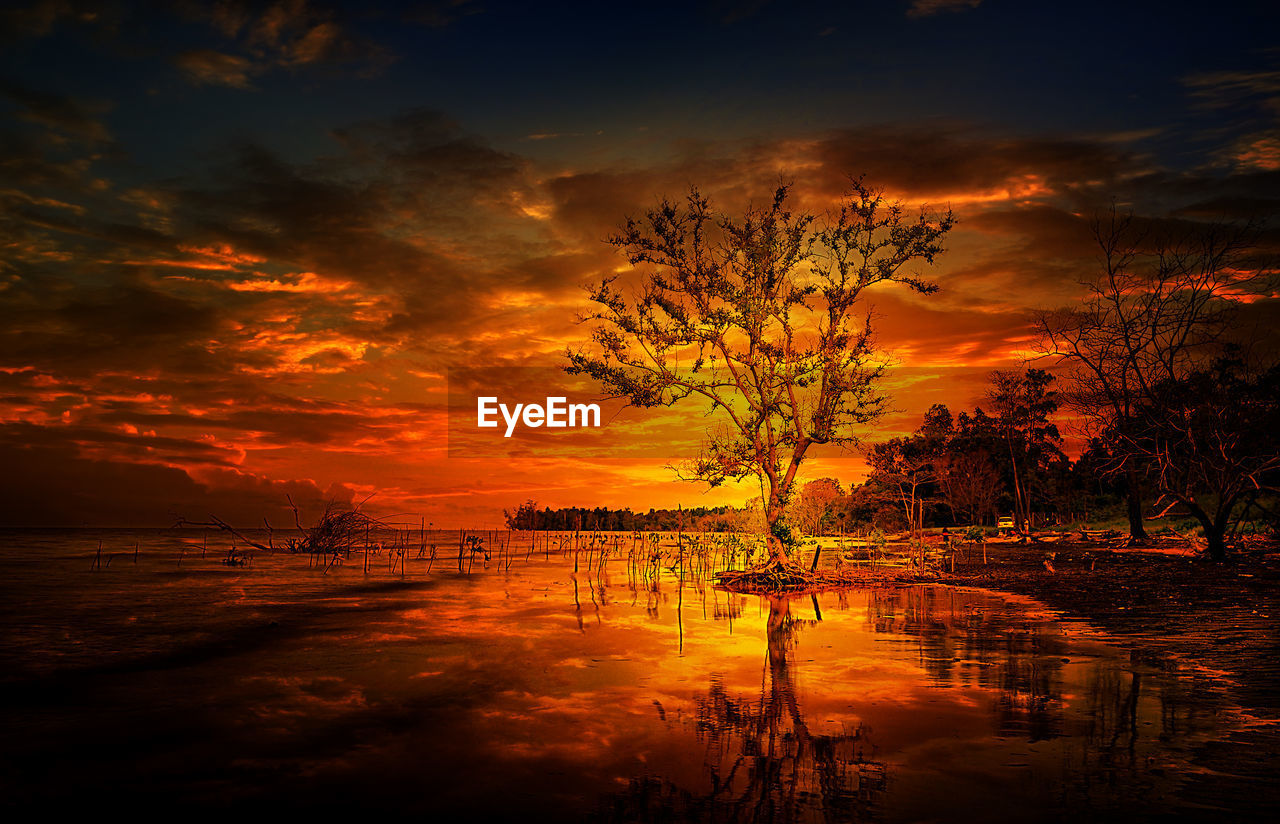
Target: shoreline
[
  {"x": 1169, "y": 608},
  {"x": 1218, "y": 624}
]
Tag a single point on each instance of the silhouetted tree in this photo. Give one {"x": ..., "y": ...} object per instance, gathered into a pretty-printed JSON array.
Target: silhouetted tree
[
  {"x": 970, "y": 484},
  {"x": 524, "y": 516},
  {"x": 1213, "y": 439},
  {"x": 1155, "y": 313},
  {"x": 1022, "y": 404},
  {"x": 762, "y": 319}
]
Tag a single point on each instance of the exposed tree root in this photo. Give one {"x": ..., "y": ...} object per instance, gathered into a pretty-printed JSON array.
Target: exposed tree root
[{"x": 783, "y": 577}]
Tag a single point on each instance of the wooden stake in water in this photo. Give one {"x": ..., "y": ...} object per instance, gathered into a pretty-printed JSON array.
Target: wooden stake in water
[
  {"x": 680, "y": 582},
  {"x": 680, "y": 537}
]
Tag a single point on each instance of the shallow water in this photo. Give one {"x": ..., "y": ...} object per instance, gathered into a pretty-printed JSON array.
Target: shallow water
[{"x": 532, "y": 691}]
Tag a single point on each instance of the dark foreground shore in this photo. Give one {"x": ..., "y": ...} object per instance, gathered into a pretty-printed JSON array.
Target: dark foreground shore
[{"x": 1218, "y": 622}]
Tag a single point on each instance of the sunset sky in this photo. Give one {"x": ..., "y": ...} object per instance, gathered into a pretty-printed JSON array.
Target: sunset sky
[{"x": 244, "y": 243}]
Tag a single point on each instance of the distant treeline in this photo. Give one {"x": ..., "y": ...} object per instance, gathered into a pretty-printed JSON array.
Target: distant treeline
[{"x": 527, "y": 516}]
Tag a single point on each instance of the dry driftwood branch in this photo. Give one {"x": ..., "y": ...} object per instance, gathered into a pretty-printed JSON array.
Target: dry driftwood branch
[
  {"x": 339, "y": 530},
  {"x": 218, "y": 523}
]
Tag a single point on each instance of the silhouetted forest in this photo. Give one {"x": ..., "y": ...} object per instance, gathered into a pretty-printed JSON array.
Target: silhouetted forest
[{"x": 1003, "y": 457}]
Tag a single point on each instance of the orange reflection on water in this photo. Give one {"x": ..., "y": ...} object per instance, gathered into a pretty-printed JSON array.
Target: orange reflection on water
[{"x": 599, "y": 695}]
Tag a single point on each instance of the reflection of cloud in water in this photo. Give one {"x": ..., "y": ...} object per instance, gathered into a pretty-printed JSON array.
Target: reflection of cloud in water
[
  {"x": 311, "y": 698},
  {"x": 478, "y": 695}
]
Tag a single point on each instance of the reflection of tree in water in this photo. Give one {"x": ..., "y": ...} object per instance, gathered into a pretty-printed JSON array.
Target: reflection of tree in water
[
  {"x": 762, "y": 763},
  {"x": 1138, "y": 729},
  {"x": 1112, "y": 736},
  {"x": 967, "y": 641}
]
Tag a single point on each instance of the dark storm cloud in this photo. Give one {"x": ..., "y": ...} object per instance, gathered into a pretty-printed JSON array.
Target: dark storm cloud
[
  {"x": 298, "y": 215},
  {"x": 79, "y": 330},
  {"x": 124, "y": 313},
  {"x": 52, "y": 483},
  {"x": 592, "y": 203},
  {"x": 425, "y": 146},
  {"x": 410, "y": 205},
  {"x": 155, "y": 448},
  {"x": 57, "y": 113},
  {"x": 285, "y": 424},
  {"x": 1038, "y": 255},
  {"x": 934, "y": 160},
  {"x": 39, "y": 19},
  {"x": 1235, "y": 207},
  {"x": 25, "y": 161},
  {"x": 215, "y": 68},
  {"x": 558, "y": 275},
  {"x": 928, "y": 8},
  {"x": 415, "y": 208},
  {"x": 249, "y": 38},
  {"x": 100, "y": 233},
  {"x": 590, "y": 206},
  {"x": 1235, "y": 87},
  {"x": 1028, "y": 195},
  {"x": 1025, "y": 204},
  {"x": 377, "y": 212}
]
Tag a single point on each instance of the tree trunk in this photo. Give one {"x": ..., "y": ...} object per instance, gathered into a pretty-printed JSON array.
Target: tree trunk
[
  {"x": 1133, "y": 503},
  {"x": 1215, "y": 540},
  {"x": 1215, "y": 529},
  {"x": 1019, "y": 509},
  {"x": 775, "y": 510}
]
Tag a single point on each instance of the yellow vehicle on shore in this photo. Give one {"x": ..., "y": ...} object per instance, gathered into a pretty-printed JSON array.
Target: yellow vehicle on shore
[{"x": 1004, "y": 524}]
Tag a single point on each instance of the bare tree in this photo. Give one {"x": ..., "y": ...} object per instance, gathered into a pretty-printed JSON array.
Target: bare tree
[
  {"x": 1157, "y": 312},
  {"x": 1213, "y": 442},
  {"x": 762, "y": 320}
]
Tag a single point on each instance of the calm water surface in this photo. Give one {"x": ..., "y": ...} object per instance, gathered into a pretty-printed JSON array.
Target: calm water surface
[{"x": 531, "y": 692}]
